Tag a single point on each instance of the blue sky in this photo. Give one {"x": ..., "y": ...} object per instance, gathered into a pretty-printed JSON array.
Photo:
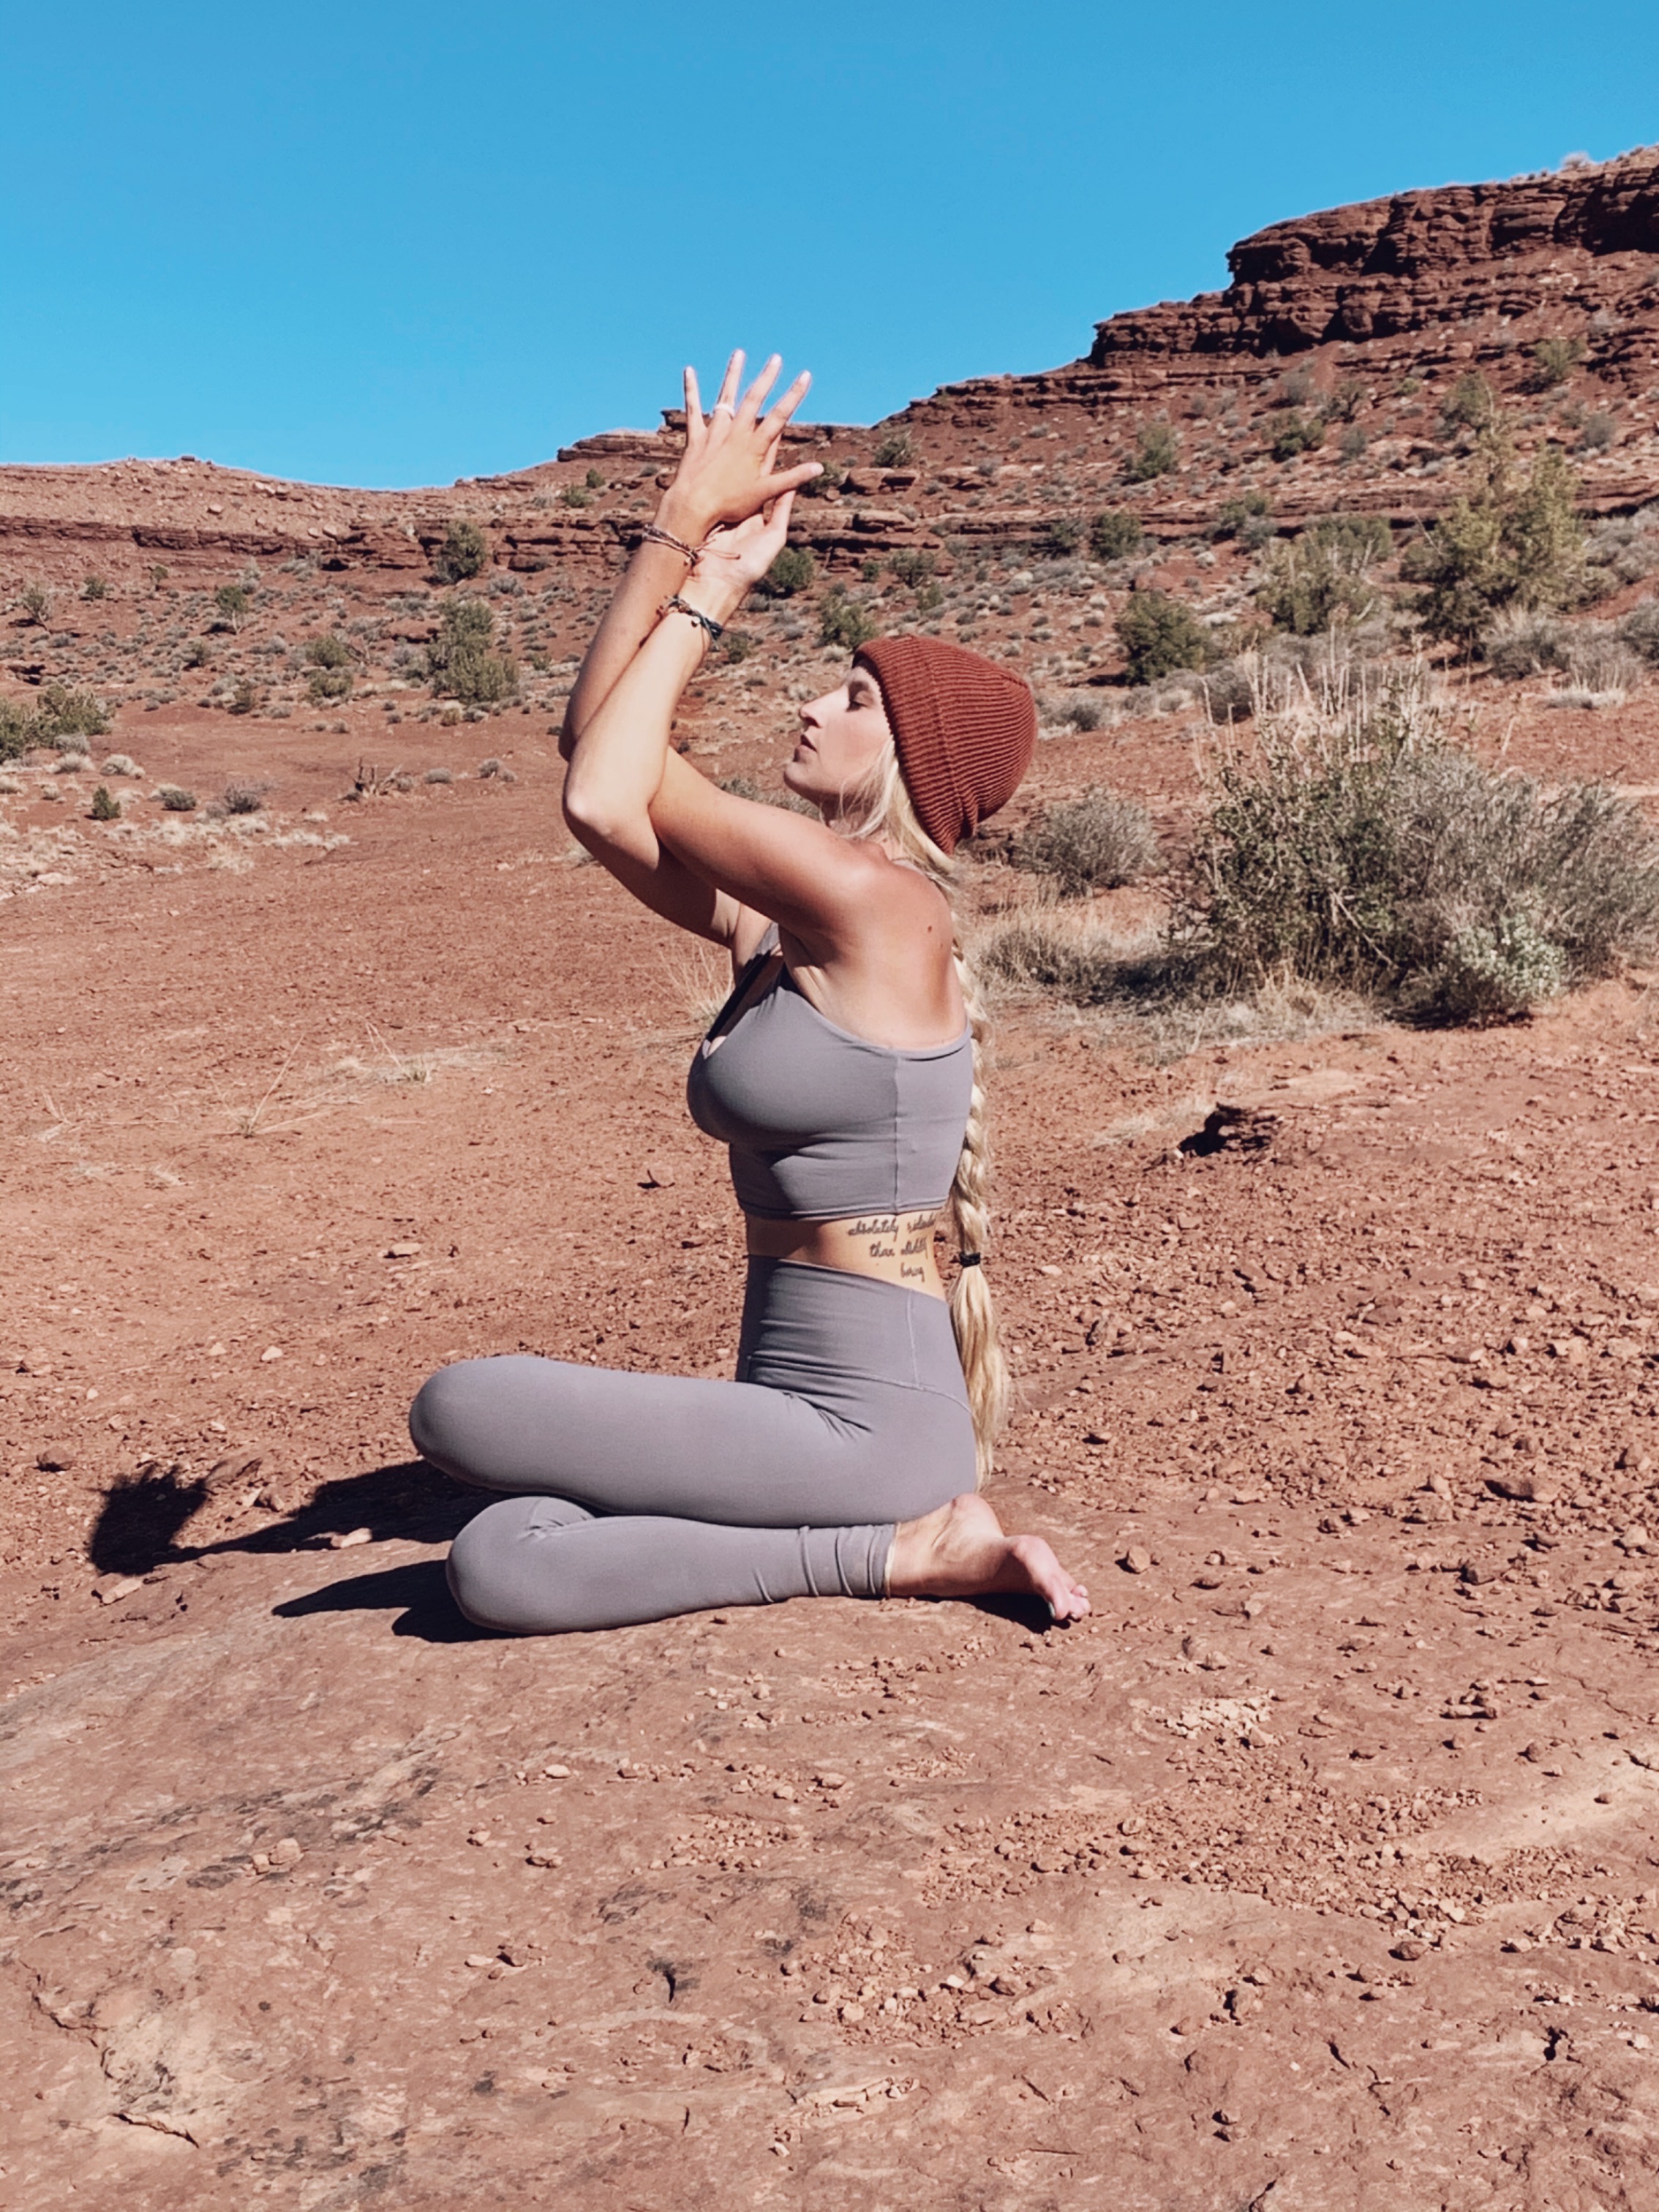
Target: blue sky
[{"x": 385, "y": 245}]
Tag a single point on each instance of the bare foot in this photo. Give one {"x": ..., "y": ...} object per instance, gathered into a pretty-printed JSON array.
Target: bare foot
[{"x": 962, "y": 1551}]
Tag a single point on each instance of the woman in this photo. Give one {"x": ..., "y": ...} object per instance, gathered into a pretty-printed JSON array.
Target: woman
[{"x": 844, "y": 1459}]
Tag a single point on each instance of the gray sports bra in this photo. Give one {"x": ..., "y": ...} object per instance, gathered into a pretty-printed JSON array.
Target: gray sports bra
[{"x": 821, "y": 1124}]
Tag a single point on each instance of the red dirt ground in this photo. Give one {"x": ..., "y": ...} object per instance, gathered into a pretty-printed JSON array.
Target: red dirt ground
[{"x": 1318, "y": 1868}]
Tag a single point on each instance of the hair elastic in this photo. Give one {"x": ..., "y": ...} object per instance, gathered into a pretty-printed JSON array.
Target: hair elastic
[{"x": 970, "y": 1259}]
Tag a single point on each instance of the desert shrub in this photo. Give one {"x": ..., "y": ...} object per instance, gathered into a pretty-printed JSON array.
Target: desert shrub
[
  {"x": 245, "y": 699},
  {"x": 574, "y": 495},
  {"x": 242, "y": 797},
  {"x": 1601, "y": 664},
  {"x": 1295, "y": 433},
  {"x": 844, "y": 622},
  {"x": 1062, "y": 536},
  {"x": 794, "y": 570},
  {"x": 744, "y": 787},
  {"x": 1505, "y": 542},
  {"x": 64, "y": 712},
  {"x": 1358, "y": 849},
  {"x": 1640, "y": 629},
  {"x": 1319, "y": 578},
  {"x": 913, "y": 566},
  {"x": 175, "y": 800},
  {"x": 1097, "y": 842},
  {"x": 35, "y": 600},
  {"x": 439, "y": 775},
  {"x": 1157, "y": 451},
  {"x": 233, "y": 602},
  {"x": 737, "y": 645},
  {"x": 1471, "y": 404},
  {"x": 1034, "y": 952},
  {"x": 895, "y": 449},
  {"x": 326, "y": 683},
  {"x": 1249, "y": 518},
  {"x": 1115, "y": 535},
  {"x": 328, "y": 651},
  {"x": 1296, "y": 388},
  {"x": 121, "y": 764},
  {"x": 1554, "y": 361},
  {"x": 460, "y": 660},
  {"x": 594, "y": 480},
  {"x": 197, "y": 653},
  {"x": 1083, "y": 710},
  {"x": 1344, "y": 400},
  {"x": 832, "y": 478},
  {"x": 106, "y": 806},
  {"x": 1525, "y": 644},
  {"x": 1230, "y": 690},
  {"x": 1160, "y": 634},
  {"x": 1352, "y": 443},
  {"x": 464, "y": 553},
  {"x": 1624, "y": 547},
  {"x": 95, "y": 587},
  {"x": 1599, "y": 432}
]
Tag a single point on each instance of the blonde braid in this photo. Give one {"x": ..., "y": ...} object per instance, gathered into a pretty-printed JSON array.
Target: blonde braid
[{"x": 888, "y": 813}]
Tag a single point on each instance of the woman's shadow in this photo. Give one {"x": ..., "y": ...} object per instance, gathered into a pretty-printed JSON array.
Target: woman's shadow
[{"x": 141, "y": 1523}]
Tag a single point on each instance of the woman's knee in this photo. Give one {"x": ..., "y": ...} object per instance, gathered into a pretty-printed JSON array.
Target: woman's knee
[{"x": 452, "y": 1419}]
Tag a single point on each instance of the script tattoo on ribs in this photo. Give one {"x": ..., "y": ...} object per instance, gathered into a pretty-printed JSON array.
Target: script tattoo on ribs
[{"x": 887, "y": 1236}]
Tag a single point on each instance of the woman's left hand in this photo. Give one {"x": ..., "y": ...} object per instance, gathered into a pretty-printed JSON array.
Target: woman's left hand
[{"x": 732, "y": 560}]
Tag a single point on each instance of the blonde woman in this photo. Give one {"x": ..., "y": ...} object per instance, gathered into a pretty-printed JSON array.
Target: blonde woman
[{"x": 845, "y": 1459}]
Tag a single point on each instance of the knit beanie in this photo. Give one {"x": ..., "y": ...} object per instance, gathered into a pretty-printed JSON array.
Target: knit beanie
[{"x": 965, "y": 730}]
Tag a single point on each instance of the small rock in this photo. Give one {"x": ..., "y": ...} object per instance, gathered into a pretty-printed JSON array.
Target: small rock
[
  {"x": 655, "y": 1177},
  {"x": 1409, "y": 1947},
  {"x": 397, "y": 1252},
  {"x": 344, "y": 1542},
  {"x": 1136, "y": 1560},
  {"x": 272, "y": 1351},
  {"x": 478, "y": 1959},
  {"x": 830, "y": 1781},
  {"x": 287, "y": 1853},
  {"x": 539, "y": 1855},
  {"x": 556, "y": 1772},
  {"x": 113, "y": 1588},
  {"x": 55, "y": 1458}
]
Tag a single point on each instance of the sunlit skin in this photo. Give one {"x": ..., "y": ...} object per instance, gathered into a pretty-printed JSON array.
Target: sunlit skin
[{"x": 868, "y": 937}]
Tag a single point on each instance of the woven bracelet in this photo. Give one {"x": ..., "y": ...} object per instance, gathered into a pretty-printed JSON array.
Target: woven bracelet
[
  {"x": 658, "y": 536},
  {"x": 676, "y": 605}
]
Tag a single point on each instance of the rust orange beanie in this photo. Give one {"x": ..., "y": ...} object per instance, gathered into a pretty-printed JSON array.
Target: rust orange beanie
[{"x": 965, "y": 730}]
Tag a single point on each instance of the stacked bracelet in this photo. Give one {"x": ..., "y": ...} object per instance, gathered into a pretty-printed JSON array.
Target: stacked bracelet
[
  {"x": 658, "y": 536},
  {"x": 676, "y": 605}
]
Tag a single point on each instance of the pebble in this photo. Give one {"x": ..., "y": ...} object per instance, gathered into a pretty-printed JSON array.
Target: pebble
[
  {"x": 272, "y": 1351},
  {"x": 396, "y": 1252},
  {"x": 287, "y": 1852},
  {"x": 55, "y": 1458},
  {"x": 343, "y": 1540},
  {"x": 120, "y": 1586},
  {"x": 556, "y": 1773},
  {"x": 1136, "y": 1560}
]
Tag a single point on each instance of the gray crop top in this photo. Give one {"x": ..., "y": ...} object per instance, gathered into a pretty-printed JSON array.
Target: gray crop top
[{"x": 821, "y": 1124}]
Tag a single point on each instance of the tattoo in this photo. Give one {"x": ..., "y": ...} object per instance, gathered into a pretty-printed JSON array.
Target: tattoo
[{"x": 880, "y": 1234}]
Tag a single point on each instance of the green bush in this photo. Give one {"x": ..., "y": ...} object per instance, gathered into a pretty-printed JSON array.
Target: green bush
[
  {"x": 95, "y": 587},
  {"x": 1319, "y": 578},
  {"x": 1160, "y": 634},
  {"x": 844, "y": 622},
  {"x": 1157, "y": 451},
  {"x": 1600, "y": 431},
  {"x": 594, "y": 480},
  {"x": 1371, "y": 854},
  {"x": 1554, "y": 361},
  {"x": 465, "y": 552},
  {"x": 233, "y": 601},
  {"x": 176, "y": 800},
  {"x": 1352, "y": 443},
  {"x": 1344, "y": 400},
  {"x": 1097, "y": 842},
  {"x": 1249, "y": 518},
  {"x": 1115, "y": 535},
  {"x": 197, "y": 653},
  {"x": 913, "y": 567},
  {"x": 36, "y": 603},
  {"x": 1295, "y": 434},
  {"x": 106, "y": 806},
  {"x": 243, "y": 798},
  {"x": 1505, "y": 542},
  {"x": 245, "y": 699},
  {"x": 1522, "y": 645},
  {"x": 1640, "y": 629},
  {"x": 832, "y": 478},
  {"x": 574, "y": 496},
  {"x": 1062, "y": 538},
  {"x": 794, "y": 570},
  {"x": 895, "y": 449},
  {"x": 1471, "y": 404},
  {"x": 459, "y": 661},
  {"x": 58, "y": 714}
]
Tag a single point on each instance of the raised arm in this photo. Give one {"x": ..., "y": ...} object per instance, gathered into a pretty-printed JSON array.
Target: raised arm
[{"x": 726, "y": 476}]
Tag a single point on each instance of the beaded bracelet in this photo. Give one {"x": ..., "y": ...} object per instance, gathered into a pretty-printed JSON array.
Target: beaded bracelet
[
  {"x": 676, "y": 605},
  {"x": 690, "y": 554}
]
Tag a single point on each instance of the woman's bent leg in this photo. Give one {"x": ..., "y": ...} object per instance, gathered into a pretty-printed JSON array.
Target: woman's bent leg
[
  {"x": 742, "y": 1453},
  {"x": 540, "y": 1565}
]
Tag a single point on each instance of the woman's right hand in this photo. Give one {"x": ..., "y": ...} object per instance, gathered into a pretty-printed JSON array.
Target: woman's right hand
[{"x": 726, "y": 472}]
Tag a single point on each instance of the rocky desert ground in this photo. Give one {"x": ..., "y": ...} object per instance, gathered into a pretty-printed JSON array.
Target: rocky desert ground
[{"x": 1318, "y": 1870}]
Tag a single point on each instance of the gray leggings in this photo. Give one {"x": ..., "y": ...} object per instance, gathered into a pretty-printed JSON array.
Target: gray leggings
[{"x": 634, "y": 1497}]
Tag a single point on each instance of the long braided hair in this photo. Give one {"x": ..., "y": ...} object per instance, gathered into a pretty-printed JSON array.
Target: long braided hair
[{"x": 882, "y": 809}]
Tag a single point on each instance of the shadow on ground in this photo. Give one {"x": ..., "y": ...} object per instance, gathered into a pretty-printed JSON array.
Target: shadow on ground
[
  {"x": 429, "y": 1612},
  {"x": 139, "y": 1523}
]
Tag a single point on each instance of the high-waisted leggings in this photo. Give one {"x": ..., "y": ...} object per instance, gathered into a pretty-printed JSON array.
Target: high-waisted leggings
[{"x": 634, "y": 1497}]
